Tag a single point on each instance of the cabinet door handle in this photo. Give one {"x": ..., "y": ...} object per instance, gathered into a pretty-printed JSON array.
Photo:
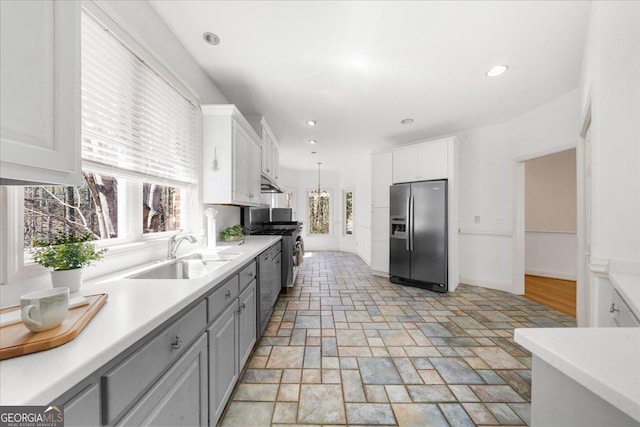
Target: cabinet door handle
[
  {"x": 177, "y": 342},
  {"x": 228, "y": 294},
  {"x": 613, "y": 308},
  {"x": 243, "y": 306}
]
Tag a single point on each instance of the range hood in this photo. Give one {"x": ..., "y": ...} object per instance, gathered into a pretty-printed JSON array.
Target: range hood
[{"x": 267, "y": 185}]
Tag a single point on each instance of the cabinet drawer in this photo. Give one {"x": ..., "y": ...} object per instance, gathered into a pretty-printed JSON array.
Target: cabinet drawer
[
  {"x": 123, "y": 384},
  {"x": 624, "y": 316},
  {"x": 247, "y": 275},
  {"x": 221, "y": 298},
  {"x": 179, "y": 398}
]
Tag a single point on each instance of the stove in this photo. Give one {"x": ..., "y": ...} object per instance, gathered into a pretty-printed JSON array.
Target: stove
[{"x": 256, "y": 222}]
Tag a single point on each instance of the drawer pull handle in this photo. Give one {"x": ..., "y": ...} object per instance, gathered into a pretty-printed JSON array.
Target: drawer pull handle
[
  {"x": 613, "y": 308},
  {"x": 228, "y": 294},
  {"x": 177, "y": 343}
]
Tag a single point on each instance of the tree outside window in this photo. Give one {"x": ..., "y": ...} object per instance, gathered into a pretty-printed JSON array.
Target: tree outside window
[
  {"x": 91, "y": 207},
  {"x": 161, "y": 208},
  {"x": 348, "y": 213},
  {"x": 319, "y": 212}
]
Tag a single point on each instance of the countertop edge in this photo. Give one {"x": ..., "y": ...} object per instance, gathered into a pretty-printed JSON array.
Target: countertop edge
[
  {"x": 32, "y": 393},
  {"x": 539, "y": 341}
]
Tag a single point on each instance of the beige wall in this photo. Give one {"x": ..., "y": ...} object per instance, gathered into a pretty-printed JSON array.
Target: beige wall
[{"x": 550, "y": 198}]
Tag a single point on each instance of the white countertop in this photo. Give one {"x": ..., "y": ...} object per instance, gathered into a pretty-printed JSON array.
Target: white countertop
[
  {"x": 604, "y": 360},
  {"x": 134, "y": 309}
]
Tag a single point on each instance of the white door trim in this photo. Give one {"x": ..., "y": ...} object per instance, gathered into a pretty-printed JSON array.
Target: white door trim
[
  {"x": 583, "y": 287},
  {"x": 518, "y": 191}
]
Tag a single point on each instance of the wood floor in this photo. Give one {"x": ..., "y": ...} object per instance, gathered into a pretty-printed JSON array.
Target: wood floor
[{"x": 555, "y": 293}]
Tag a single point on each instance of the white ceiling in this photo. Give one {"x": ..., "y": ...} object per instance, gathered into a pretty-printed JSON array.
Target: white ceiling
[{"x": 358, "y": 68}]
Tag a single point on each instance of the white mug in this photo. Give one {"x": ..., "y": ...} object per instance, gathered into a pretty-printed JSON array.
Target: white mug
[{"x": 44, "y": 310}]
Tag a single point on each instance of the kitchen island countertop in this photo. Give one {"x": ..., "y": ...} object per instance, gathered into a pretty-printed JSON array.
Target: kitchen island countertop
[{"x": 603, "y": 360}]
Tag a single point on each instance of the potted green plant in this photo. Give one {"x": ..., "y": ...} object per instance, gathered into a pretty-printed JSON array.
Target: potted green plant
[
  {"x": 232, "y": 234},
  {"x": 67, "y": 254}
]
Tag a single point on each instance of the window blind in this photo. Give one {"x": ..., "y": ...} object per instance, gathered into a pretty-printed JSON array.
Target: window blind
[{"x": 132, "y": 119}]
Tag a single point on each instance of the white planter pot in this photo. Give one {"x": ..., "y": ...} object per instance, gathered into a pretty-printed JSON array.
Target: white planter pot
[{"x": 71, "y": 279}]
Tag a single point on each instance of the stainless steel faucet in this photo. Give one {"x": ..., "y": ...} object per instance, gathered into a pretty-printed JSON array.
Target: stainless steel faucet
[{"x": 174, "y": 243}]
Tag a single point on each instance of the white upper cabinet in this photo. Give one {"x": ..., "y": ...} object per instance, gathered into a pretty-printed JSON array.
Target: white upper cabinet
[
  {"x": 231, "y": 157},
  {"x": 40, "y": 92},
  {"x": 381, "y": 180},
  {"x": 421, "y": 162},
  {"x": 270, "y": 149}
]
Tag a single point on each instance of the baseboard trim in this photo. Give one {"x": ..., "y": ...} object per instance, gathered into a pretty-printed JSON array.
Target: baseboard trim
[
  {"x": 550, "y": 274},
  {"x": 380, "y": 273},
  {"x": 506, "y": 287}
]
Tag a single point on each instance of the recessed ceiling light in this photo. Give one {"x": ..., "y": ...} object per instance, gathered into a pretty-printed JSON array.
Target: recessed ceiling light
[
  {"x": 211, "y": 38},
  {"x": 312, "y": 141},
  {"x": 406, "y": 121},
  {"x": 497, "y": 70},
  {"x": 312, "y": 122}
]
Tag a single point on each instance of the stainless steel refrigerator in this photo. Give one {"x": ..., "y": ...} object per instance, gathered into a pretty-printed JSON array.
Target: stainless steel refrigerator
[{"x": 418, "y": 235}]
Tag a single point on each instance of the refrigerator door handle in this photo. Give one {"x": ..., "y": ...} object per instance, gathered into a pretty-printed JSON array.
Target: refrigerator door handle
[
  {"x": 411, "y": 229},
  {"x": 407, "y": 226}
]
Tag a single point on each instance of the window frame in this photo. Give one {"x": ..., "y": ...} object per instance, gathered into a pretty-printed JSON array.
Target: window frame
[
  {"x": 129, "y": 215},
  {"x": 331, "y": 213},
  {"x": 344, "y": 213}
]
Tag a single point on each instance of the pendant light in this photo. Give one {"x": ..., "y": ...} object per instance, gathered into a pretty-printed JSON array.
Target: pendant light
[{"x": 319, "y": 192}]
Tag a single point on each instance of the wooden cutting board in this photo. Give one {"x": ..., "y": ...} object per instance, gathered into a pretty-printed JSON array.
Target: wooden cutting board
[{"x": 17, "y": 340}]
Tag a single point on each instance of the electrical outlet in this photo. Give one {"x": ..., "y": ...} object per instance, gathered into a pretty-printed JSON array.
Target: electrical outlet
[
  {"x": 476, "y": 219},
  {"x": 500, "y": 220}
]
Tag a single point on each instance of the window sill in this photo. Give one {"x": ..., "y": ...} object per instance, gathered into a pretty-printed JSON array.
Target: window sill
[{"x": 118, "y": 257}]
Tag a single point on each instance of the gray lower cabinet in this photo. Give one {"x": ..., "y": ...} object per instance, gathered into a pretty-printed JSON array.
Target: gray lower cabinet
[
  {"x": 129, "y": 380},
  {"x": 277, "y": 276},
  {"x": 231, "y": 337},
  {"x": 247, "y": 323},
  {"x": 83, "y": 409},
  {"x": 223, "y": 361},
  {"x": 179, "y": 398},
  {"x": 183, "y": 373}
]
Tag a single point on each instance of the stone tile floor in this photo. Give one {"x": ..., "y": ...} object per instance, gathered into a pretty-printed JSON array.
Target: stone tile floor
[{"x": 345, "y": 347}]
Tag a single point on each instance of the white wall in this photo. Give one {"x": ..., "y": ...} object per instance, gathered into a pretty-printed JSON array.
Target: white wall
[
  {"x": 487, "y": 160},
  {"x": 142, "y": 22},
  {"x": 551, "y": 254},
  {"x": 362, "y": 209},
  {"x": 355, "y": 179},
  {"x": 610, "y": 78},
  {"x": 612, "y": 68}
]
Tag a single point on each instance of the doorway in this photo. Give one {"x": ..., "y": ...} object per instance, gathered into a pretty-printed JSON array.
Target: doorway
[{"x": 551, "y": 230}]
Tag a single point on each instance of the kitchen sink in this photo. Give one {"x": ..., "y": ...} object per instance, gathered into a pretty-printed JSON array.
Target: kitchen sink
[
  {"x": 182, "y": 269},
  {"x": 191, "y": 267}
]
